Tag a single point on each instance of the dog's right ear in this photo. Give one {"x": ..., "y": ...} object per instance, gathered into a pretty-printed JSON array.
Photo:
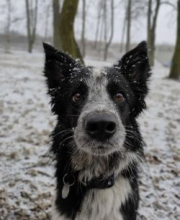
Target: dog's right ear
[{"x": 58, "y": 66}]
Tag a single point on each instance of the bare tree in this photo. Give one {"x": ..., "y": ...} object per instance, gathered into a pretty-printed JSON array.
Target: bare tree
[
  {"x": 105, "y": 20},
  {"x": 128, "y": 25},
  {"x": 99, "y": 9},
  {"x": 123, "y": 31},
  {"x": 8, "y": 26},
  {"x": 107, "y": 43},
  {"x": 83, "y": 27},
  {"x": 175, "y": 68},
  {"x": 31, "y": 16},
  {"x": 133, "y": 11},
  {"x": 170, "y": 4},
  {"x": 101, "y": 27},
  {"x": 151, "y": 29},
  {"x": 66, "y": 28},
  {"x": 149, "y": 14},
  {"x": 56, "y": 23},
  {"x": 46, "y": 22}
]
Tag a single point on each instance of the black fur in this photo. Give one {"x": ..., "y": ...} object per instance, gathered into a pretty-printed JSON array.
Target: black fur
[{"x": 65, "y": 77}]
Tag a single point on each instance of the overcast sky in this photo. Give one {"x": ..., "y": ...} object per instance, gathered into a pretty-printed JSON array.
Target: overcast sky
[{"x": 166, "y": 26}]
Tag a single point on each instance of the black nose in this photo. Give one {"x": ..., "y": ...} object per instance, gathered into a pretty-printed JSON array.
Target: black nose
[{"x": 100, "y": 126}]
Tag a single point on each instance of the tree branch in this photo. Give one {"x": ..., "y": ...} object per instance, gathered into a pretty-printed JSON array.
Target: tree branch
[
  {"x": 158, "y": 2},
  {"x": 170, "y": 4}
]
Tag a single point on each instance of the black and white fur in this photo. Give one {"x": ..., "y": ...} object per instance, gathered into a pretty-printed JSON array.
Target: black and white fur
[{"x": 79, "y": 155}]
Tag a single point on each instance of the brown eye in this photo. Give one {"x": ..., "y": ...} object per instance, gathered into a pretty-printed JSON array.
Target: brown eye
[
  {"x": 76, "y": 97},
  {"x": 119, "y": 97}
]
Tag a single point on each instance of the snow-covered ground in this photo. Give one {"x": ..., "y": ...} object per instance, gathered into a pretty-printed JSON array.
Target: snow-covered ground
[{"x": 26, "y": 170}]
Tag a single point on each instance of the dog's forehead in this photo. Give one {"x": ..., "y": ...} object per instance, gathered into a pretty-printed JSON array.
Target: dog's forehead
[
  {"x": 99, "y": 72},
  {"x": 97, "y": 83},
  {"x": 104, "y": 75},
  {"x": 98, "y": 98},
  {"x": 97, "y": 75}
]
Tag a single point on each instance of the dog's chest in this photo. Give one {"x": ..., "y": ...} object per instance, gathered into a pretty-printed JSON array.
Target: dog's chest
[
  {"x": 102, "y": 204},
  {"x": 105, "y": 204}
]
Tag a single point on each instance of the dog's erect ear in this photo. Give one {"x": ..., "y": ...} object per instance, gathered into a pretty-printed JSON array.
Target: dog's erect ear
[
  {"x": 58, "y": 66},
  {"x": 49, "y": 50},
  {"x": 134, "y": 65}
]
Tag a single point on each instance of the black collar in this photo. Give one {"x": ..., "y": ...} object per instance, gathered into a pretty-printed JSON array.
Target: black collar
[
  {"x": 95, "y": 183},
  {"x": 100, "y": 183}
]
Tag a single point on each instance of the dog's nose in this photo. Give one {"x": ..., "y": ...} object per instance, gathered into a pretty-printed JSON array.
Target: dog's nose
[{"x": 100, "y": 126}]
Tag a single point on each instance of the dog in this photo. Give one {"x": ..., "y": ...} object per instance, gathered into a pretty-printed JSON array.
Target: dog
[{"x": 96, "y": 143}]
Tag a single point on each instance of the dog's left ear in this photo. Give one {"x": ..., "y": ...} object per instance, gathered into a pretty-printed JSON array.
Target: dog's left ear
[
  {"x": 134, "y": 65},
  {"x": 59, "y": 66}
]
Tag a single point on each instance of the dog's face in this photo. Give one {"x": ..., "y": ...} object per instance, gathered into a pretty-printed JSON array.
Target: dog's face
[{"x": 98, "y": 107}]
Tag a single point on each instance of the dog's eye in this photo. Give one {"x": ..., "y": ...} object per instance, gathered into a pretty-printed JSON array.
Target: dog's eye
[
  {"x": 119, "y": 97},
  {"x": 76, "y": 97}
]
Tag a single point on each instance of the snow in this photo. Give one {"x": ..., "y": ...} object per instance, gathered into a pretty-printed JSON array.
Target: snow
[{"x": 26, "y": 169}]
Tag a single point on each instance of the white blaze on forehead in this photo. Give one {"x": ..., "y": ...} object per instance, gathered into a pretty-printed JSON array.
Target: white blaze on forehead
[
  {"x": 98, "y": 94},
  {"x": 98, "y": 72}
]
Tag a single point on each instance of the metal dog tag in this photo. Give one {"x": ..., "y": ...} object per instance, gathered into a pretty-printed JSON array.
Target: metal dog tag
[
  {"x": 68, "y": 181},
  {"x": 65, "y": 191}
]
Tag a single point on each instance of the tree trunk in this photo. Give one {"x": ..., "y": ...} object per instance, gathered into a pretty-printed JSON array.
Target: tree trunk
[
  {"x": 46, "y": 23},
  {"x": 56, "y": 20},
  {"x": 66, "y": 27},
  {"x": 175, "y": 68},
  {"x": 151, "y": 49},
  {"x": 34, "y": 23},
  {"x": 149, "y": 15},
  {"x": 28, "y": 25},
  {"x": 123, "y": 31},
  {"x": 128, "y": 25},
  {"x": 83, "y": 28},
  {"x": 151, "y": 35},
  {"x": 31, "y": 16},
  {"x": 105, "y": 21},
  {"x": 98, "y": 26},
  {"x": 8, "y": 26},
  {"x": 101, "y": 27},
  {"x": 112, "y": 31}
]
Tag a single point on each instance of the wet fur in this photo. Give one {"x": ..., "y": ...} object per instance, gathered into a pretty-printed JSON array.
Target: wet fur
[{"x": 75, "y": 152}]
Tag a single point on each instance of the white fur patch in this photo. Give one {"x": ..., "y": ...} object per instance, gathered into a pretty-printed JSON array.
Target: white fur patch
[
  {"x": 97, "y": 72},
  {"x": 102, "y": 204}
]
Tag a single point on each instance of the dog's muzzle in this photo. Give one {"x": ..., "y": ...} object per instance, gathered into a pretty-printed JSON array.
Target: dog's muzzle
[{"x": 100, "y": 126}]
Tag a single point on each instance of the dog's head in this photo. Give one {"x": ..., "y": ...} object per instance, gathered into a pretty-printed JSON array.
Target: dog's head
[{"x": 98, "y": 107}]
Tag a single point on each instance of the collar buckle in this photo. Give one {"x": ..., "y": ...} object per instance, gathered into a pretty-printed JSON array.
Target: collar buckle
[{"x": 101, "y": 183}]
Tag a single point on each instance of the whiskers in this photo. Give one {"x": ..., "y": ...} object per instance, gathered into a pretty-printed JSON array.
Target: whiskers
[
  {"x": 64, "y": 137},
  {"x": 65, "y": 132},
  {"x": 132, "y": 133}
]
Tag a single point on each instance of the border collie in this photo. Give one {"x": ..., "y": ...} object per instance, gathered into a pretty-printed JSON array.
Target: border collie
[{"x": 97, "y": 143}]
